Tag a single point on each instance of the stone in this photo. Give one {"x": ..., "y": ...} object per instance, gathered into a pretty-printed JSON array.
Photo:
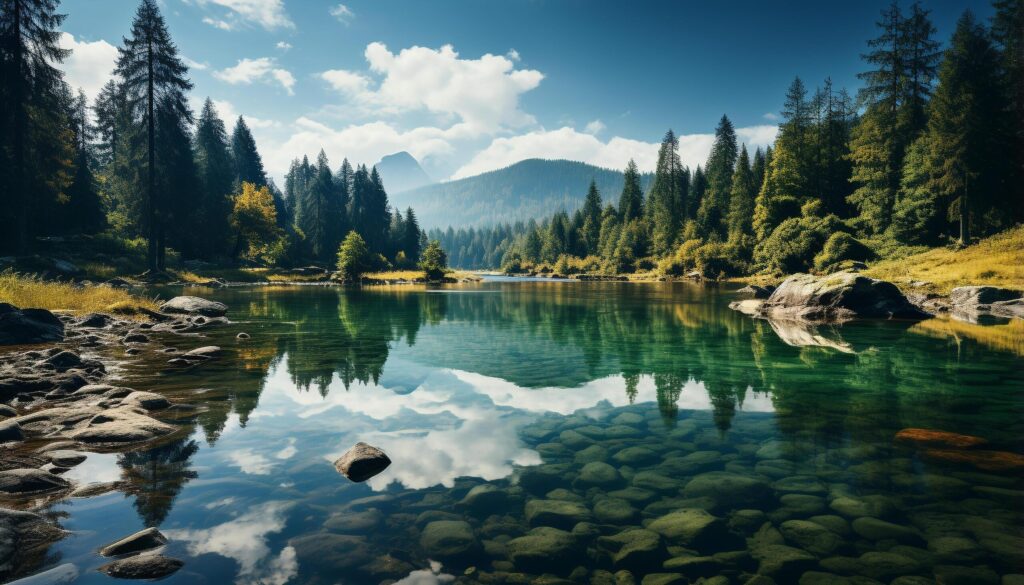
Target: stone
[
  {"x": 633, "y": 548},
  {"x": 135, "y": 337},
  {"x": 886, "y": 565},
  {"x": 10, "y": 431},
  {"x": 663, "y": 579},
  {"x": 636, "y": 456},
  {"x": 194, "y": 306},
  {"x": 782, "y": 562},
  {"x": 801, "y": 505},
  {"x": 146, "y": 400},
  {"x": 26, "y": 481},
  {"x": 834, "y": 523},
  {"x": 591, "y": 453},
  {"x": 937, "y": 439},
  {"x": 349, "y": 522},
  {"x": 202, "y": 353},
  {"x": 960, "y": 575},
  {"x": 362, "y": 462},
  {"x": 656, "y": 482},
  {"x": 337, "y": 553},
  {"x": 90, "y": 490},
  {"x": 556, "y": 513},
  {"x": 7, "y": 411},
  {"x": 598, "y": 474},
  {"x": 693, "y": 528},
  {"x": 955, "y": 549},
  {"x": 142, "y": 540},
  {"x": 485, "y": 498},
  {"x": 242, "y": 335},
  {"x": 65, "y": 458},
  {"x": 543, "y": 548},
  {"x": 614, "y": 511},
  {"x": 804, "y": 484},
  {"x": 142, "y": 567},
  {"x": 970, "y": 297},
  {"x": 448, "y": 539},
  {"x": 757, "y": 292},
  {"x": 836, "y": 297},
  {"x": 875, "y": 529},
  {"x": 95, "y": 321},
  {"x": 811, "y": 537},
  {"x": 119, "y": 426},
  {"x": 731, "y": 489},
  {"x": 28, "y": 326}
]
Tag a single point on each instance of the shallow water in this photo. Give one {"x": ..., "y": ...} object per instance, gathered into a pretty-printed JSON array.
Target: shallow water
[{"x": 590, "y": 408}]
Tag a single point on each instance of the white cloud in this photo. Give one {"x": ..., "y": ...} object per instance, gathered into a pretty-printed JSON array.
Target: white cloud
[
  {"x": 513, "y": 54},
  {"x": 282, "y": 45},
  {"x": 269, "y": 14},
  {"x": 481, "y": 93},
  {"x": 228, "y": 113},
  {"x": 264, "y": 69},
  {"x": 343, "y": 13},
  {"x": 770, "y": 116},
  {"x": 90, "y": 65},
  {"x": 594, "y": 127},
  {"x": 195, "y": 64},
  {"x": 567, "y": 143}
]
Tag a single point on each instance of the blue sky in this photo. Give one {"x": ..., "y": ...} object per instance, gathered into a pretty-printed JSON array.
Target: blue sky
[{"x": 471, "y": 85}]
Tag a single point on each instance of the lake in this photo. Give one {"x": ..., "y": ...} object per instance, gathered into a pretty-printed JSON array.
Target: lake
[{"x": 572, "y": 429}]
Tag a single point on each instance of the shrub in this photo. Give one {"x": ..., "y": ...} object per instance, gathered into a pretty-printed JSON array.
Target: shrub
[
  {"x": 840, "y": 247},
  {"x": 793, "y": 245},
  {"x": 434, "y": 261},
  {"x": 353, "y": 257}
]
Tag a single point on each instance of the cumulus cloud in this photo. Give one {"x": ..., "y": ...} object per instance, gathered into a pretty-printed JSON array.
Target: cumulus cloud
[
  {"x": 481, "y": 93},
  {"x": 264, "y": 70},
  {"x": 195, "y": 64},
  {"x": 770, "y": 116},
  {"x": 90, "y": 65},
  {"x": 594, "y": 127},
  {"x": 269, "y": 14},
  {"x": 567, "y": 143},
  {"x": 343, "y": 13},
  {"x": 282, "y": 45}
]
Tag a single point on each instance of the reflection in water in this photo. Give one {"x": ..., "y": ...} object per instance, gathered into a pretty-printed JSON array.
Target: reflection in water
[{"x": 471, "y": 389}]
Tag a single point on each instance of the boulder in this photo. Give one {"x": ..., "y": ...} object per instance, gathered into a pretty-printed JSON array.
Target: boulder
[
  {"x": 186, "y": 305},
  {"x": 448, "y": 539},
  {"x": 142, "y": 567},
  {"x": 729, "y": 489},
  {"x": 65, "y": 458},
  {"x": 117, "y": 426},
  {"x": 146, "y": 400},
  {"x": 633, "y": 548},
  {"x": 598, "y": 474},
  {"x": 332, "y": 553},
  {"x": 543, "y": 549},
  {"x": 971, "y": 297},
  {"x": 24, "y": 326},
  {"x": 835, "y": 298},
  {"x": 362, "y": 462},
  {"x": 693, "y": 528},
  {"x": 27, "y": 481},
  {"x": 10, "y": 431},
  {"x": 140, "y": 541},
  {"x": 94, "y": 321},
  {"x": 757, "y": 292},
  {"x": 557, "y": 513},
  {"x": 202, "y": 353},
  {"x": 811, "y": 537}
]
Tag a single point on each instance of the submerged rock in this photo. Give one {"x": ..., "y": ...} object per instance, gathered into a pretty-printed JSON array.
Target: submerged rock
[
  {"x": 984, "y": 460},
  {"x": 634, "y": 548},
  {"x": 23, "y": 326},
  {"x": 24, "y": 535},
  {"x": 194, "y": 306},
  {"x": 142, "y": 540},
  {"x": 543, "y": 549},
  {"x": 27, "y": 481},
  {"x": 449, "y": 539},
  {"x": 836, "y": 297},
  {"x": 10, "y": 431},
  {"x": 557, "y": 513},
  {"x": 937, "y": 439},
  {"x": 362, "y": 462},
  {"x": 142, "y": 567},
  {"x": 693, "y": 528}
]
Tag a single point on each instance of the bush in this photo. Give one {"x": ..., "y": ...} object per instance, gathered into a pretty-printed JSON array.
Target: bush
[
  {"x": 353, "y": 257},
  {"x": 434, "y": 261},
  {"x": 840, "y": 247},
  {"x": 793, "y": 245}
]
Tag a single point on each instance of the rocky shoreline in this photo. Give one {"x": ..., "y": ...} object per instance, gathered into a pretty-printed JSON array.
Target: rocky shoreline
[{"x": 57, "y": 407}]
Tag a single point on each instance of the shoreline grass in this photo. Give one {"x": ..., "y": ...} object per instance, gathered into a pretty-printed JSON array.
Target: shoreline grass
[{"x": 28, "y": 291}]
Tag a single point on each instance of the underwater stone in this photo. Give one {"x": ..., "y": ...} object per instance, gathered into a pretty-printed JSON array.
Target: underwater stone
[
  {"x": 142, "y": 567},
  {"x": 614, "y": 511},
  {"x": 694, "y": 528},
  {"x": 598, "y": 474},
  {"x": 331, "y": 552},
  {"x": 729, "y": 488},
  {"x": 591, "y": 453},
  {"x": 556, "y": 513},
  {"x": 354, "y": 522},
  {"x": 657, "y": 482},
  {"x": 448, "y": 539},
  {"x": 875, "y": 529},
  {"x": 886, "y": 565},
  {"x": 635, "y": 548},
  {"x": 782, "y": 562},
  {"x": 362, "y": 462},
  {"x": 664, "y": 579},
  {"x": 636, "y": 456},
  {"x": 834, "y": 523},
  {"x": 484, "y": 498},
  {"x": 543, "y": 548},
  {"x": 811, "y": 537}
]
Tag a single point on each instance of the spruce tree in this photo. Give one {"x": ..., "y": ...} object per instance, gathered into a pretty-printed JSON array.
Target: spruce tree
[
  {"x": 152, "y": 75},
  {"x": 214, "y": 167},
  {"x": 714, "y": 207},
  {"x": 741, "y": 200},
  {"x": 590, "y": 231},
  {"x": 1008, "y": 33},
  {"x": 248, "y": 164},
  {"x": 631, "y": 201},
  {"x": 411, "y": 237},
  {"x": 83, "y": 210},
  {"x": 667, "y": 197}
]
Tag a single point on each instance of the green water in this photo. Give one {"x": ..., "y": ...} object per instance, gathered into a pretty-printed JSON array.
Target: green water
[{"x": 563, "y": 428}]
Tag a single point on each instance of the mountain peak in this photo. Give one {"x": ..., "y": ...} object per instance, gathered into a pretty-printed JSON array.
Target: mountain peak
[{"x": 401, "y": 171}]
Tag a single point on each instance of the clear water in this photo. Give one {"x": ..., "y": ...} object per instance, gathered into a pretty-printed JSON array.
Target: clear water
[{"x": 519, "y": 384}]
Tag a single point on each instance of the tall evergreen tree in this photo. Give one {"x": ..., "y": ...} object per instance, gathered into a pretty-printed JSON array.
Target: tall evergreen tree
[
  {"x": 741, "y": 200},
  {"x": 631, "y": 201},
  {"x": 216, "y": 178},
  {"x": 248, "y": 164},
  {"x": 411, "y": 237},
  {"x": 1008, "y": 33},
  {"x": 83, "y": 211},
  {"x": 714, "y": 207},
  {"x": 29, "y": 50},
  {"x": 667, "y": 197},
  {"x": 590, "y": 230},
  {"x": 152, "y": 74},
  {"x": 320, "y": 214}
]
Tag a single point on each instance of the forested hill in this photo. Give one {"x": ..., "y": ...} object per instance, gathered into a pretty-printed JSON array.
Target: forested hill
[{"x": 531, "y": 188}]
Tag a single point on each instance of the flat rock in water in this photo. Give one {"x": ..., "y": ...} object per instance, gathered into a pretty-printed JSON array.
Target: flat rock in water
[
  {"x": 187, "y": 305},
  {"x": 25, "y": 481},
  {"x": 362, "y": 462},
  {"x": 142, "y": 567},
  {"x": 836, "y": 297},
  {"x": 10, "y": 431},
  {"x": 18, "y": 326},
  {"x": 65, "y": 458},
  {"x": 938, "y": 439},
  {"x": 140, "y": 541},
  {"x": 202, "y": 353},
  {"x": 146, "y": 400}
]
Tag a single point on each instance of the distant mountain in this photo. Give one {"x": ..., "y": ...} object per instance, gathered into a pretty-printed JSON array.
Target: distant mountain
[
  {"x": 533, "y": 188},
  {"x": 402, "y": 172}
]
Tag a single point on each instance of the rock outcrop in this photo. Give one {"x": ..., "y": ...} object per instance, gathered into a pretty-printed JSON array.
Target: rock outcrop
[
  {"x": 834, "y": 298},
  {"x": 187, "y": 305},
  {"x": 24, "y": 326},
  {"x": 968, "y": 302}
]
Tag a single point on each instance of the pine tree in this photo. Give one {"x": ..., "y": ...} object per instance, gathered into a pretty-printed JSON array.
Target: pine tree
[
  {"x": 29, "y": 49},
  {"x": 152, "y": 74},
  {"x": 83, "y": 210},
  {"x": 248, "y": 164},
  {"x": 714, "y": 207},
  {"x": 631, "y": 201},
  {"x": 667, "y": 197},
  {"x": 968, "y": 132},
  {"x": 320, "y": 214},
  {"x": 741, "y": 200},
  {"x": 216, "y": 178},
  {"x": 1008, "y": 33},
  {"x": 411, "y": 238},
  {"x": 590, "y": 231}
]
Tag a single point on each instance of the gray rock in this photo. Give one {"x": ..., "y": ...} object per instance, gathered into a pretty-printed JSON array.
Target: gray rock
[
  {"x": 25, "y": 481},
  {"x": 10, "y": 431},
  {"x": 135, "y": 337},
  {"x": 142, "y": 540},
  {"x": 836, "y": 297},
  {"x": 64, "y": 458},
  {"x": 757, "y": 292},
  {"x": 202, "y": 353},
  {"x": 95, "y": 321},
  {"x": 242, "y": 335},
  {"x": 146, "y": 400},
  {"x": 24, "y": 326},
  {"x": 362, "y": 462},
  {"x": 142, "y": 567},
  {"x": 968, "y": 297},
  {"x": 194, "y": 306},
  {"x": 119, "y": 426}
]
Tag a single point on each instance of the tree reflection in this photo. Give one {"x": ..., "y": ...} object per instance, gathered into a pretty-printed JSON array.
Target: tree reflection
[{"x": 156, "y": 476}]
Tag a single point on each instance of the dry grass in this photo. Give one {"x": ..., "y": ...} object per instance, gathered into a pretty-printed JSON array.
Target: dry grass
[
  {"x": 31, "y": 292},
  {"x": 394, "y": 275},
  {"x": 998, "y": 261},
  {"x": 248, "y": 275}
]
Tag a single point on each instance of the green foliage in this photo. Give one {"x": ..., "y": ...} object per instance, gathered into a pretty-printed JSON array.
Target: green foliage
[
  {"x": 354, "y": 258},
  {"x": 714, "y": 206},
  {"x": 254, "y": 221},
  {"x": 840, "y": 247},
  {"x": 434, "y": 261},
  {"x": 793, "y": 245}
]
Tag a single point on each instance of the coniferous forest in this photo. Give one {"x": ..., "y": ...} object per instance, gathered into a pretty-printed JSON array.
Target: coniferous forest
[
  {"x": 929, "y": 152},
  {"x": 139, "y": 166}
]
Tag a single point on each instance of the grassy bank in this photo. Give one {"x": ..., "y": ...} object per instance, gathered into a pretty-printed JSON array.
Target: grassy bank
[
  {"x": 30, "y": 292},
  {"x": 996, "y": 261}
]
